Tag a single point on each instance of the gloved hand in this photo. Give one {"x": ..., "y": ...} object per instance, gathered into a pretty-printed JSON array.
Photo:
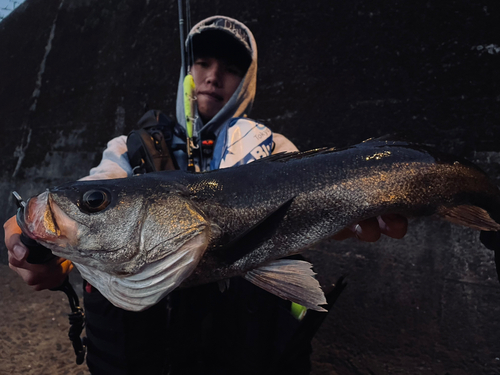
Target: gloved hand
[
  {"x": 370, "y": 230},
  {"x": 41, "y": 276}
]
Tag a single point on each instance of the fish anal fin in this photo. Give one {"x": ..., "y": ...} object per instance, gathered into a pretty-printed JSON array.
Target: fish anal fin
[
  {"x": 290, "y": 279},
  {"x": 223, "y": 285},
  {"x": 471, "y": 216}
]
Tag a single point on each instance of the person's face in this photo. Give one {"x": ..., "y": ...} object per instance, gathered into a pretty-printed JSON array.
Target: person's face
[{"x": 215, "y": 82}]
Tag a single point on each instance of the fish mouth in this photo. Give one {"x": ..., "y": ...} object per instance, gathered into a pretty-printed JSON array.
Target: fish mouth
[
  {"x": 43, "y": 219},
  {"x": 39, "y": 222}
]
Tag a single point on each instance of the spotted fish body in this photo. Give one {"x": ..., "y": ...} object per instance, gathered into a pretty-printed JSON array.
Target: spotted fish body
[{"x": 139, "y": 238}]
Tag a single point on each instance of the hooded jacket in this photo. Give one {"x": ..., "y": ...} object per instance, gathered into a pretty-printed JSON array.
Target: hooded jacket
[
  {"x": 241, "y": 102},
  {"x": 115, "y": 163}
]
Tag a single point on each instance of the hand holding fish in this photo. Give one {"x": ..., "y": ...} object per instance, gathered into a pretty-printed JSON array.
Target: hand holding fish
[
  {"x": 370, "y": 230},
  {"x": 40, "y": 276}
]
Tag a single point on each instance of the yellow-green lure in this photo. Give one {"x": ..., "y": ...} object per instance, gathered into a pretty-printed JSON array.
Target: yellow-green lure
[
  {"x": 189, "y": 110},
  {"x": 189, "y": 105}
]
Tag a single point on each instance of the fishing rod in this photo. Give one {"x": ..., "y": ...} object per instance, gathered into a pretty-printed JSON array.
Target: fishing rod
[
  {"x": 188, "y": 88},
  {"x": 181, "y": 33}
]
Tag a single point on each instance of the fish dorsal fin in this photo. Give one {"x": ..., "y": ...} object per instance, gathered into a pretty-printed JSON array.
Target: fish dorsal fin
[
  {"x": 471, "y": 216},
  {"x": 290, "y": 279},
  {"x": 144, "y": 289},
  {"x": 294, "y": 155}
]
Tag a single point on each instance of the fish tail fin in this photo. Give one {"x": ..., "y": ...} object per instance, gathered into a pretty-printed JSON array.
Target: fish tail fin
[
  {"x": 470, "y": 216},
  {"x": 290, "y": 279}
]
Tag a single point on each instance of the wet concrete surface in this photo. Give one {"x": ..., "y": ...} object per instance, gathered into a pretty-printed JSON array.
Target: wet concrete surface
[{"x": 34, "y": 329}]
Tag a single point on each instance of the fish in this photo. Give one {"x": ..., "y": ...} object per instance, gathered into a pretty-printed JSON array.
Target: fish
[{"x": 137, "y": 239}]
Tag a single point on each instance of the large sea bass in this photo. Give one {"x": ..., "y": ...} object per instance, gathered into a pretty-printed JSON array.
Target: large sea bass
[{"x": 137, "y": 239}]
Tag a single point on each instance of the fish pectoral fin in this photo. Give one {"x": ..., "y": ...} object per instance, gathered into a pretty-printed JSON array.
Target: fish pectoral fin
[
  {"x": 471, "y": 216},
  {"x": 252, "y": 238},
  {"x": 290, "y": 279}
]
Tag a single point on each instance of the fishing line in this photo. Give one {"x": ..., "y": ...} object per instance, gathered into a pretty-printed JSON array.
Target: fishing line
[{"x": 189, "y": 26}]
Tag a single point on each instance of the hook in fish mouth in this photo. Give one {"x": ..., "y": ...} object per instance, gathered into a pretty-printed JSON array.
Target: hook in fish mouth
[{"x": 20, "y": 220}]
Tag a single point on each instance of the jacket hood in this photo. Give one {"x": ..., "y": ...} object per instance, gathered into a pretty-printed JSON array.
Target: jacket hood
[{"x": 241, "y": 102}]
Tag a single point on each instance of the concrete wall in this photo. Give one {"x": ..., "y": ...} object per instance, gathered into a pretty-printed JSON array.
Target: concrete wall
[{"x": 74, "y": 74}]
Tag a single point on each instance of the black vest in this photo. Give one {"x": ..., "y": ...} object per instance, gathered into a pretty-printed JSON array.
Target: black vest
[{"x": 244, "y": 330}]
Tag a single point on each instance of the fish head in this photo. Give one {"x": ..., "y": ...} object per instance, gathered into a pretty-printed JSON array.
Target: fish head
[
  {"x": 86, "y": 224},
  {"x": 134, "y": 242}
]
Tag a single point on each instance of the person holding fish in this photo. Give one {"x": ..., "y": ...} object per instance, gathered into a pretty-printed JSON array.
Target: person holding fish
[{"x": 198, "y": 330}]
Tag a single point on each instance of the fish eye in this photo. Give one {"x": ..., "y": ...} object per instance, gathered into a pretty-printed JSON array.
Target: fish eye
[{"x": 95, "y": 200}]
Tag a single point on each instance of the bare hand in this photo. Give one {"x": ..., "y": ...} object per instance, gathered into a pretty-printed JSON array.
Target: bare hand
[
  {"x": 370, "y": 230},
  {"x": 41, "y": 276}
]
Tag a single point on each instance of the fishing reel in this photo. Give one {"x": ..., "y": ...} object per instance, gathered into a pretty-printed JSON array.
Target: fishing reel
[{"x": 39, "y": 254}]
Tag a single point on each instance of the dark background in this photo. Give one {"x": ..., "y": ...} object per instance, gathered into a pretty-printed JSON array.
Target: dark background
[{"x": 330, "y": 73}]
